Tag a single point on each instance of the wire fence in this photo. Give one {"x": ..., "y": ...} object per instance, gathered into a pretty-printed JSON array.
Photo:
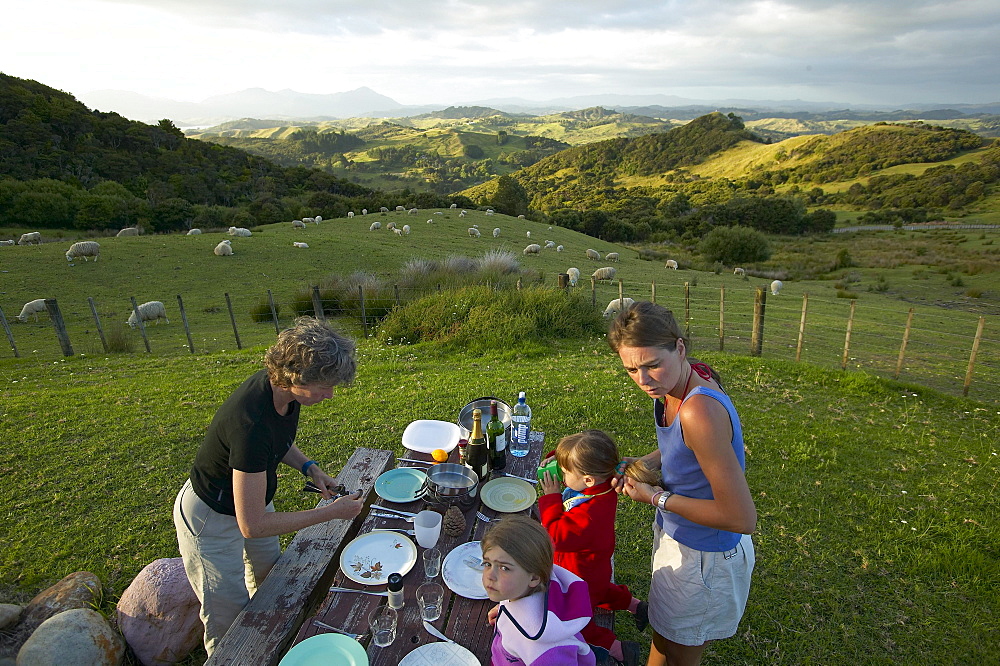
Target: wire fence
[{"x": 953, "y": 351}]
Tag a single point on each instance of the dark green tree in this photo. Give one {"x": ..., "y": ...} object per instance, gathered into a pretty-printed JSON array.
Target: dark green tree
[
  {"x": 510, "y": 197},
  {"x": 734, "y": 245}
]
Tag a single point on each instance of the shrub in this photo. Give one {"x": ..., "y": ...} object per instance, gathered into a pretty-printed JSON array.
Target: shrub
[
  {"x": 974, "y": 293},
  {"x": 260, "y": 312},
  {"x": 118, "y": 338},
  {"x": 734, "y": 245},
  {"x": 843, "y": 293}
]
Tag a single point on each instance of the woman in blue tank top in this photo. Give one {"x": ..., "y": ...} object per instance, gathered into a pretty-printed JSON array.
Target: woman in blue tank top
[{"x": 703, "y": 556}]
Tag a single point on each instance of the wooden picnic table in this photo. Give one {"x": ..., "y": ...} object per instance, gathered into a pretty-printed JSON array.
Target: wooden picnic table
[{"x": 463, "y": 620}]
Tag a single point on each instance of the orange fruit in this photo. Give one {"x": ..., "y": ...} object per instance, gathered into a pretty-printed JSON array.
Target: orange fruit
[{"x": 439, "y": 455}]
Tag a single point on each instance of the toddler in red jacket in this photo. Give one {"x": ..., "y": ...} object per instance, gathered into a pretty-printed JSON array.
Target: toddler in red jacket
[{"x": 581, "y": 523}]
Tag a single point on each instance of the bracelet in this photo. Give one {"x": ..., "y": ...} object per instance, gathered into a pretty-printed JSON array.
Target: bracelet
[
  {"x": 661, "y": 503},
  {"x": 652, "y": 500},
  {"x": 306, "y": 465}
]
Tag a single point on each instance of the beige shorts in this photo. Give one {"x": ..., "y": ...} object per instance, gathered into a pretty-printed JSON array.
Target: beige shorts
[{"x": 698, "y": 596}]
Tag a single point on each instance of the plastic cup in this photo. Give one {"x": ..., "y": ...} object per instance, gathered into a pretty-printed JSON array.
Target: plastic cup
[
  {"x": 432, "y": 562},
  {"x": 430, "y": 597},
  {"x": 427, "y": 528},
  {"x": 382, "y": 623}
]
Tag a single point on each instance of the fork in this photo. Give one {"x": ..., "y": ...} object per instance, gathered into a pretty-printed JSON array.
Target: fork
[
  {"x": 328, "y": 627},
  {"x": 483, "y": 517},
  {"x": 474, "y": 563},
  {"x": 389, "y": 515}
]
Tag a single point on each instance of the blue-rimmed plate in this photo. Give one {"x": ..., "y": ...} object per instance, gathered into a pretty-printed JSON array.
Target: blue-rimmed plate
[
  {"x": 402, "y": 485},
  {"x": 326, "y": 650}
]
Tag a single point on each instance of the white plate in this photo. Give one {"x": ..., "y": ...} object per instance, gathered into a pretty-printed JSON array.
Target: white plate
[
  {"x": 508, "y": 494},
  {"x": 370, "y": 558},
  {"x": 426, "y": 435},
  {"x": 460, "y": 578},
  {"x": 440, "y": 654}
]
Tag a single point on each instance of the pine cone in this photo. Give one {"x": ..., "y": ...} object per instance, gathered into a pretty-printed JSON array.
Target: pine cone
[{"x": 454, "y": 522}]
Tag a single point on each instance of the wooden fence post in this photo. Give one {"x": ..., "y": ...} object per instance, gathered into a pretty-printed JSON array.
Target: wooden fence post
[
  {"x": 847, "y": 337},
  {"x": 621, "y": 293},
  {"x": 232, "y": 319},
  {"x": 593, "y": 291},
  {"x": 395, "y": 288},
  {"x": 652, "y": 291},
  {"x": 57, "y": 321},
  {"x": 972, "y": 356},
  {"x": 97, "y": 321},
  {"x": 364, "y": 319},
  {"x": 140, "y": 324},
  {"x": 902, "y": 347},
  {"x": 10, "y": 335},
  {"x": 757, "y": 334},
  {"x": 274, "y": 311},
  {"x": 318, "y": 304},
  {"x": 687, "y": 310},
  {"x": 184, "y": 320},
  {"x": 722, "y": 317},
  {"x": 802, "y": 328}
]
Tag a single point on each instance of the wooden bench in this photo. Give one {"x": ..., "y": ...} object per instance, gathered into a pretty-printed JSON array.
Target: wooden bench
[{"x": 299, "y": 580}]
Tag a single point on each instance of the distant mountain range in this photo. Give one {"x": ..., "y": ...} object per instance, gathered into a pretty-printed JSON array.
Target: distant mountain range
[{"x": 365, "y": 102}]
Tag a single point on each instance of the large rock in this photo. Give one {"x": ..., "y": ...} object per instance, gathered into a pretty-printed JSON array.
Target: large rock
[
  {"x": 158, "y": 614},
  {"x": 80, "y": 636},
  {"x": 81, "y": 589},
  {"x": 9, "y": 614}
]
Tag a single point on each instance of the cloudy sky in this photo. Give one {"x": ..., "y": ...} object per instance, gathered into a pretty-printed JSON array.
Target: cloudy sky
[{"x": 887, "y": 52}]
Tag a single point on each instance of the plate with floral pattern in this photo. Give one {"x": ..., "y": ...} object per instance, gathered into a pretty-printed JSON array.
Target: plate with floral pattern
[{"x": 370, "y": 558}]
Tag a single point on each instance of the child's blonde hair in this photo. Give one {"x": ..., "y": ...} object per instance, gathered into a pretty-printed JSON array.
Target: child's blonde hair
[
  {"x": 525, "y": 540},
  {"x": 594, "y": 453}
]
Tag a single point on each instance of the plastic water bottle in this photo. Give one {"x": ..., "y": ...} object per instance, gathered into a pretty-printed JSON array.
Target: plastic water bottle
[{"x": 520, "y": 428}]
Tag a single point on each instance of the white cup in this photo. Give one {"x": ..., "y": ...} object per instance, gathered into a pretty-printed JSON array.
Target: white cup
[
  {"x": 430, "y": 597},
  {"x": 427, "y": 528}
]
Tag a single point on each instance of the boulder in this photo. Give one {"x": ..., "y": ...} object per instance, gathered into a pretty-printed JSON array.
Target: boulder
[
  {"x": 81, "y": 589},
  {"x": 158, "y": 614},
  {"x": 79, "y": 636},
  {"x": 9, "y": 614}
]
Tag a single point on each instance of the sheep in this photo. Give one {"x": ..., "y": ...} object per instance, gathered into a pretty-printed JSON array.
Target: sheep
[
  {"x": 462, "y": 214},
  {"x": 528, "y": 234},
  {"x": 496, "y": 232},
  {"x": 431, "y": 221},
  {"x": 412, "y": 211},
  {"x": 611, "y": 256},
  {"x": 616, "y": 306},
  {"x": 350, "y": 214},
  {"x": 670, "y": 264},
  {"x": 223, "y": 249},
  {"x": 304, "y": 246},
  {"x": 318, "y": 219},
  {"x": 574, "y": 276},
  {"x": 31, "y": 308},
  {"x": 391, "y": 226},
  {"x": 559, "y": 248},
  {"x": 549, "y": 244},
  {"x": 776, "y": 287},
  {"x": 489, "y": 211},
  {"x": 194, "y": 232},
  {"x": 474, "y": 232},
  {"x": 84, "y": 249},
  {"x": 375, "y": 226},
  {"x": 740, "y": 271},
  {"x": 406, "y": 229},
  {"x": 399, "y": 209},
  {"x": 399, "y": 232},
  {"x": 453, "y": 206},
  {"x": 521, "y": 217},
  {"x": 30, "y": 238},
  {"x": 606, "y": 273},
  {"x": 128, "y": 231},
  {"x": 298, "y": 224},
  {"x": 149, "y": 311},
  {"x": 534, "y": 248},
  {"x": 383, "y": 209},
  {"x": 239, "y": 231},
  {"x": 364, "y": 211},
  {"x": 437, "y": 212},
  {"x": 6, "y": 242},
  {"x": 593, "y": 255}
]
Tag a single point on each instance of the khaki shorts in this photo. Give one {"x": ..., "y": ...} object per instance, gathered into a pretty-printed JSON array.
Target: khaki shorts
[{"x": 698, "y": 596}]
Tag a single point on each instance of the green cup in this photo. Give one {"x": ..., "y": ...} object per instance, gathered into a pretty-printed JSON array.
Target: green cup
[{"x": 552, "y": 467}]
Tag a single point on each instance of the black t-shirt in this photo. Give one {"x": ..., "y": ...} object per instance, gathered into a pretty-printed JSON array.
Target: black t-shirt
[{"x": 246, "y": 434}]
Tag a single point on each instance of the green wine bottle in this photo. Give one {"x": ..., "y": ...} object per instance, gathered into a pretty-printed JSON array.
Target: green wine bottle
[{"x": 496, "y": 439}]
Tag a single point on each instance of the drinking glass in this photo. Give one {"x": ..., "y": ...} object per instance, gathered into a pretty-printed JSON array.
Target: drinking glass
[
  {"x": 430, "y": 597},
  {"x": 427, "y": 528},
  {"x": 432, "y": 562},
  {"x": 382, "y": 622}
]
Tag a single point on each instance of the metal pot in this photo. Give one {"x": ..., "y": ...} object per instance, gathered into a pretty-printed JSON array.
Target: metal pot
[
  {"x": 451, "y": 480},
  {"x": 504, "y": 412}
]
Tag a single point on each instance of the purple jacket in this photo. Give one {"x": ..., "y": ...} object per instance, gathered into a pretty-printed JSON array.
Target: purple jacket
[{"x": 542, "y": 629}]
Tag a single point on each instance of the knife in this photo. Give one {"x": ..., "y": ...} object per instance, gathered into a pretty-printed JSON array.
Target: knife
[
  {"x": 386, "y": 508},
  {"x": 394, "y": 529},
  {"x": 433, "y": 631}
]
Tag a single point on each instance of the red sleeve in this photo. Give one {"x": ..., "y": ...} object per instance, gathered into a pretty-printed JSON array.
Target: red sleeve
[{"x": 579, "y": 529}]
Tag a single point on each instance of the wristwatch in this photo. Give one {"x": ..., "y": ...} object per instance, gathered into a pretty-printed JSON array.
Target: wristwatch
[{"x": 661, "y": 501}]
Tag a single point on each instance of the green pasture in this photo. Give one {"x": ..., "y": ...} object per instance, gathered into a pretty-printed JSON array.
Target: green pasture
[{"x": 878, "y": 525}]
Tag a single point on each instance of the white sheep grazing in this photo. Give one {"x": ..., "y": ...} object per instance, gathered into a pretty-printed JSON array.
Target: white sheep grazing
[
  {"x": 399, "y": 232},
  {"x": 390, "y": 225},
  {"x": 406, "y": 229},
  {"x": 194, "y": 232},
  {"x": 611, "y": 256},
  {"x": 308, "y": 220},
  {"x": 298, "y": 224},
  {"x": 549, "y": 244},
  {"x": 559, "y": 248},
  {"x": 616, "y": 306},
  {"x": 239, "y": 231},
  {"x": 412, "y": 211},
  {"x": 453, "y": 206},
  {"x": 521, "y": 217},
  {"x": 437, "y": 212},
  {"x": 127, "y": 231},
  {"x": 606, "y": 273},
  {"x": 431, "y": 221},
  {"x": 350, "y": 214},
  {"x": 534, "y": 248},
  {"x": 383, "y": 209},
  {"x": 375, "y": 226},
  {"x": 31, "y": 308},
  {"x": 318, "y": 219},
  {"x": 496, "y": 232},
  {"x": 474, "y": 232},
  {"x": 7, "y": 242},
  {"x": 399, "y": 209},
  {"x": 83, "y": 249},
  {"x": 304, "y": 246},
  {"x": 462, "y": 214},
  {"x": 776, "y": 287},
  {"x": 670, "y": 264},
  {"x": 149, "y": 311},
  {"x": 489, "y": 211},
  {"x": 528, "y": 234},
  {"x": 30, "y": 238},
  {"x": 574, "y": 276},
  {"x": 739, "y": 271},
  {"x": 223, "y": 249},
  {"x": 364, "y": 211},
  {"x": 593, "y": 255}
]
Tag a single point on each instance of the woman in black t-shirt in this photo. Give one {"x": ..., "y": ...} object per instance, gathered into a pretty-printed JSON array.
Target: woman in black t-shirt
[{"x": 227, "y": 528}]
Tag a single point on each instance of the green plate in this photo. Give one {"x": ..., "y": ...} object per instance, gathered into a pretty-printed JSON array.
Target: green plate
[
  {"x": 326, "y": 650},
  {"x": 402, "y": 485}
]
